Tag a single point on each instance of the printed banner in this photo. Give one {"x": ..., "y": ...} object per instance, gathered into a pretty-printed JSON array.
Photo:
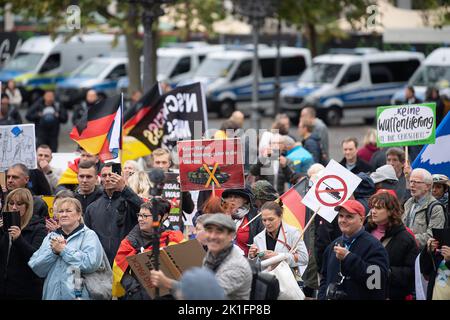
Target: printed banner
[
  {"x": 406, "y": 125},
  {"x": 208, "y": 164}
]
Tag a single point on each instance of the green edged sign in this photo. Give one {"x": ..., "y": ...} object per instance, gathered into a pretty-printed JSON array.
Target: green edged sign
[{"x": 406, "y": 125}]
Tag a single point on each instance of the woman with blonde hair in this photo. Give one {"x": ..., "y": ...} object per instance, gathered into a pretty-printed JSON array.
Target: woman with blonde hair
[
  {"x": 66, "y": 254},
  {"x": 369, "y": 145},
  {"x": 140, "y": 183},
  {"x": 17, "y": 245}
]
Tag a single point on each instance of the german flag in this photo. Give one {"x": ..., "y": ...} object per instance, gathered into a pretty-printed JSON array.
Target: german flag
[
  {"x": 138, "y": 111},
  {"x": 294, "y": 211},
  {"x": 70, "y": 176},
  {"x": 93, "y": 133}
]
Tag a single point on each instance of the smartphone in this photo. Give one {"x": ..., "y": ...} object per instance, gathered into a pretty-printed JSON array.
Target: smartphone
[
  {"x": 117, "y": 168},
  {"x": 10, "y": 219}
]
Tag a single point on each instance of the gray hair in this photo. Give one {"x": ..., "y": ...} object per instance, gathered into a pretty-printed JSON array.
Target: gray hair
[
  {"x": 426, "y": 175},
  {"x": 287, "y": 141}
]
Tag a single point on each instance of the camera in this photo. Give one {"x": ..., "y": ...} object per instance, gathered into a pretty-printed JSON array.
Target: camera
[{"x": 333, "y": 292}]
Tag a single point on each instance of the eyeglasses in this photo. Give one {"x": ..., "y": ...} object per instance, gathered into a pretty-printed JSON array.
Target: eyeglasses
[
  {"x": 144, "y": 216},
  {"x": 415, "y": 182}
]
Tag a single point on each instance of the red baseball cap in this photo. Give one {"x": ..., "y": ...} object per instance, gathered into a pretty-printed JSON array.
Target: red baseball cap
[
  {"x": 392, "y": 192},
  {"x": 354, "y": 207}
]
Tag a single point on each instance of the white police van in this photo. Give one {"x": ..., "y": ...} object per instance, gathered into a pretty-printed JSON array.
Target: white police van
[
  {"x": 349, "y": 85},
  {"x": 228, "y": 76},
  {"x": 434, "y": 72},
  {"x": 176, "y": 62},
  {"x": 41, "y": 62},
  {"x": 100, "y": 74}
]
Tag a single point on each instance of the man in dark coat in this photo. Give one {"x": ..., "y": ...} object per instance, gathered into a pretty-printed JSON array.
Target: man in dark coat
[
  {"x": 18, "y": 176},
  {"x": 114, "y": 214},
  {"x": 17, "y": 280},
  {"x": 351, "y": 161},
  {"x": 355, "y": 266},
  {"x": 88, "y": 191}
]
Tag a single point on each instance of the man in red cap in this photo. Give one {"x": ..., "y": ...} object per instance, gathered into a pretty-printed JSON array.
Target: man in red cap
[{"x": 355, "y": 265}]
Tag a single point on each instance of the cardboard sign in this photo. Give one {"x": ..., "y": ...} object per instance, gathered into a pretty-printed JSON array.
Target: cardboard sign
[
  {"x": 174, "y": 260},
  {"x": 211, "y": 164},
  {"x": 333, "y": 187},
  {"x": 17, "y": 145},
  {"x": 172, "y": 193},
  {"x": 406, "y": 125},
  {"x": 3, "y": 179}
]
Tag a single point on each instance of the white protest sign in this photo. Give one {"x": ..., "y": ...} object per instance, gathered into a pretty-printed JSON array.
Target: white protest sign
[
  {"x": 61, "y": 160},
  {"x": 17, "y": 145},
  {"x": 332, "y": 188}
]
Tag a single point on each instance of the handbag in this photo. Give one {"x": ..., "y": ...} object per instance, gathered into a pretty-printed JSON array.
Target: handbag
[
  {"x": 99, "y": 283},
  {"x": 289, "y": 289}
]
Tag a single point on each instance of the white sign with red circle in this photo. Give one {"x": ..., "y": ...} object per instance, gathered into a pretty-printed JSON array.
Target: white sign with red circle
[{"x": 333, "y": 187}]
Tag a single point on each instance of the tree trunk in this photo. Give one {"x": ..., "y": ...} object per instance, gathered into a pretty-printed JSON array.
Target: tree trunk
[
  {"x": 155, "y": 38},
  {"x": 134, "y": 53},
  {"x": 311, "y": 34}
]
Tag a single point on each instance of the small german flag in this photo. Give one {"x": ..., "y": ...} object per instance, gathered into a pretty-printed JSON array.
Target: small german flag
[
  {"x": 294, "y": 211},
  {"x": 94, "y": 133}
]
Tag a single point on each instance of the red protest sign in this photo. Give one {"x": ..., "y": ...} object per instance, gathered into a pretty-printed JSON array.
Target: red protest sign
[
  {"x": 331, "y": 190},
  {"x": 211, "y": 164}
]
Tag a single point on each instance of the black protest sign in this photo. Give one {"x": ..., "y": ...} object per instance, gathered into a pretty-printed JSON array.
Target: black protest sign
[
  {"x": 172, "y": 193},
  {"x": 173, "y": 118}
]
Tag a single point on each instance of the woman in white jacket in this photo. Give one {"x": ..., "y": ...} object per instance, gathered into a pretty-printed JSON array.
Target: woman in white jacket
[{"x": 278, "y": 237}]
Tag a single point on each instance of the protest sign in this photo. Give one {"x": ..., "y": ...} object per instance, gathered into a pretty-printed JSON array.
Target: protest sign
[
  {"x": 17, "y": 145},
  {"x": 172, "y": 193},
  {"x": 174, "y": 260},
  {"x": 406, "y": 125},
  {"x": 49, "y": 201},
  {"x": 173, "y": 118},
  {"x": 211, "y": 164},
  {"x": 333, "y": 187}
]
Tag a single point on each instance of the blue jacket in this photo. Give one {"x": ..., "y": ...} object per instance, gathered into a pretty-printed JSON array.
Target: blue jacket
[
  {"x": 83, "y": 252},
  {"x": 365, "y": 251},
  {"x": 312, "y": 144},
  {"x": 301, "y": 159}
]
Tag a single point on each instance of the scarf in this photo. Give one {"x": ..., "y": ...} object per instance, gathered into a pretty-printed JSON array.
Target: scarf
[
  {"x": 240, "y": 213},
  {"x": 213, "y": 261}
]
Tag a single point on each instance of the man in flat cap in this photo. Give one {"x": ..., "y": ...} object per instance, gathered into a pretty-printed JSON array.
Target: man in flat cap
[{"x": 231, "y": 268}]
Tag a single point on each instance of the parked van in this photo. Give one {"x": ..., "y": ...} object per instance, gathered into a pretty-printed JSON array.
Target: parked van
[
  {"x": 100, "y": 74},
  {"x": 177, "y": 62},
  {"x": 434, "y": 72},
  {"x": 228, "y": 76},
  {"x": 41, "y": 62},
  {"x": 339, "y": 85}
]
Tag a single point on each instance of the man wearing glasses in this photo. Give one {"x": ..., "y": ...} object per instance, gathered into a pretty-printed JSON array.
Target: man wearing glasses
[
  {"x": 415, "y": 216},
  {"x": 114, "y": 214}
]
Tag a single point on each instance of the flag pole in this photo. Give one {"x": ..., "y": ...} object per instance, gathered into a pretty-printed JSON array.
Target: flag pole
[
  {"x": 121, "y": 129},
  {"x": 304, "y": 230}
]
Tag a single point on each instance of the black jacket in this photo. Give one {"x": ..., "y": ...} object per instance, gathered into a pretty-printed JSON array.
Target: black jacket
[
  {"x": 428, "y": 266},
  {"x": 402, "y": 251},
  {"x": 364, "y": 190},
  {"x": 86, "y": 200},
  {"x": 81, "y": 111},
  {"x": 17, "y": 280},
  {"x": 38, "y": 184},
  {"x": 34, "y": 115},
  {"x": 312, "y": 144},
  {"x": 40, "y": 208},
  {"x": 113, "y": 218},
  {"x": 325, "y": 233},
  {"x": 357, "y": 267},
  {"x": 361, "y": 166}
]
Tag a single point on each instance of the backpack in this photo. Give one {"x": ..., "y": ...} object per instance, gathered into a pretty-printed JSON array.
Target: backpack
[
  {"x": 265, "y": 286},
  {"x": 430, "y": 210}
]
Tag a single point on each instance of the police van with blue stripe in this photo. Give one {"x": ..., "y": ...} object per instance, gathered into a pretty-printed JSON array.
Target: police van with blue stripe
[
  {"x": 42, "y": 62},
  {"x": 350, "y": 85},
  {"x": 228, "y": 75}
]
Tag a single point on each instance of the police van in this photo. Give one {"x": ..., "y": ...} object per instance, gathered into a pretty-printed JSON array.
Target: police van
[
  {"x": 41, "y": 62},
  {"x": 228, "y": 76},
  {"x": 350, "y": 85},
  {"x": 434, "y": 72},
  {"x": 100, "y": 74}
]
